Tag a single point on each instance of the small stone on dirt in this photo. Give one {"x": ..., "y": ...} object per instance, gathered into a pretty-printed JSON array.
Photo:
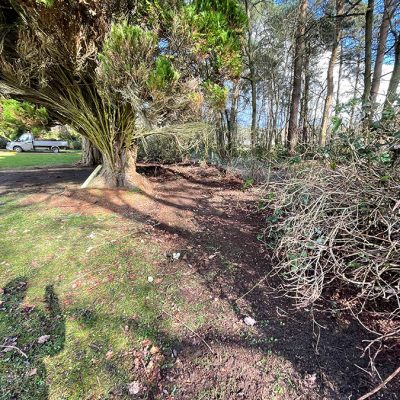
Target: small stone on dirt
[
  {"x": 310, "y": 380},
  {"x": 150, "y": 279},
  {"x": 176, "y": 256},
  {"x": 134, "y": 388},
  {"x": 43, "y": 339},
  {"x": 249, "y": 321}
]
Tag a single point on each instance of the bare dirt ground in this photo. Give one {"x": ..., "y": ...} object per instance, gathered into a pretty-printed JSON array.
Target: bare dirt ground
[
  {"x": 214, "y": 225},
  {"x": 35, "y": 179}
]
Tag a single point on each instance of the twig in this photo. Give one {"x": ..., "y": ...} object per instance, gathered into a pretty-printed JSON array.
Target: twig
[
  {"x": 191, "y": 330},
  {"x": 379, "y": 387},
  {"x": 254, "y": 287},
  {"x": 15, "y": 348}
]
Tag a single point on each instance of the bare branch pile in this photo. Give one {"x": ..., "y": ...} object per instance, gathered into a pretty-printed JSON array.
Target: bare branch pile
[{"x": 339, "y": 230}]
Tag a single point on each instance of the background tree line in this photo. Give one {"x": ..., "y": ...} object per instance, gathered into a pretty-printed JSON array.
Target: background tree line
[
  {"x": 312, "y": 69},
  {"x": 265, "y": 75}
]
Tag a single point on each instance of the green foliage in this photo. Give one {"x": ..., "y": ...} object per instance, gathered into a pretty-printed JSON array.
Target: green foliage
[
  {"x": 216, "y": 94},
  {"x": 47, "y": 3},
  {"x": 217, "y": 28},
  {"x": 17, "y": 117},
  {"x": 126, "y": 38},
  {"x": 121, "y": 72},
  {"x": 248, "y": 183},
  {"x": 163, "y": 74}
]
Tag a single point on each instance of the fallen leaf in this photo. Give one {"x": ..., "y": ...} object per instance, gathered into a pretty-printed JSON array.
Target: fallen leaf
[
  {"x": 249, "y": 321},
  {"x": 32, "y": 372},
  {"x": 43, "y": 339},
  {"x": 134, "y": 387}
]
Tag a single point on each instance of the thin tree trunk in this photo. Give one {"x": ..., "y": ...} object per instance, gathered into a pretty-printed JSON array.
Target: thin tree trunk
[
  {"x": 305, "y": 99},
  {"x": 394, "y": 82},
  {"x": 369, "y": 24},
  {"x": 292, "y": 135},
  {"x": 252, "y": 73},
  {"x": 330, "y": 84},
  {"x": 91, "y": 156},
  {"x": 380, "y": 53},
  {"x": 339, "y": 79},
  {"x": 253, "y": 110},
  {"x": 353, "y": 105},
  {"x": 233, "y": 124}
]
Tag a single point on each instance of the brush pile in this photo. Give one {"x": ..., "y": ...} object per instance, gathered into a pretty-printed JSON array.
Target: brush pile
[{"x": 336, "y": 231}]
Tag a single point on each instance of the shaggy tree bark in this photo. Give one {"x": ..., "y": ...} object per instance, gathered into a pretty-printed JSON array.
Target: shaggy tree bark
[
  {"x": 292, "y": 135},
  {"x": 330, "y": 88},
  {"x": 91, "y": 156},
  {"x": 120, "y": 172}
]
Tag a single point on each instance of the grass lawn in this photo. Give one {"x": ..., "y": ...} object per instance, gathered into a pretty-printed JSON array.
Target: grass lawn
[
  {"x": 79, "y": 316},
  {"x": 11, "y": 160}
]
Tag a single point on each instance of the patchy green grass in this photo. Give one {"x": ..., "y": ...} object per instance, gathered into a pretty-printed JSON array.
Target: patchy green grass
[
  {"x": 78, "y": 284},
  {"x": 11, "y": 160}
]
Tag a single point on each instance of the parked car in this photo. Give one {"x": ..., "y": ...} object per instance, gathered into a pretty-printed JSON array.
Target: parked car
[{"x": 27, "y": 142}]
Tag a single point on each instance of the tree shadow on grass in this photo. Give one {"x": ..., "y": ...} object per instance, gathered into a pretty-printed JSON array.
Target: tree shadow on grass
[
  {"x": 236, "y": 268},
  {"x": 27, "y": 336},
  {"x": 237, "y": 265}
]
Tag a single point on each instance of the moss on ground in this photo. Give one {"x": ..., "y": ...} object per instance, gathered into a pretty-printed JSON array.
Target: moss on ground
[{"x": 83, "y": 282}]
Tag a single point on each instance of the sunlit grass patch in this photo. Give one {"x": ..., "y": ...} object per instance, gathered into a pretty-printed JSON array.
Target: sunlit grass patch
[
  {"x": 98, "y": 268},
  {"x": 11, "y": 160}
]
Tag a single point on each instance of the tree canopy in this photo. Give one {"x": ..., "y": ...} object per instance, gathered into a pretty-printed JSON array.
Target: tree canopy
[{"x": 118, "y": 71}]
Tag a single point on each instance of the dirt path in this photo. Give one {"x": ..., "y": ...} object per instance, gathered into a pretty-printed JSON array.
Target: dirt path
[{"x": 214, "y": 225}]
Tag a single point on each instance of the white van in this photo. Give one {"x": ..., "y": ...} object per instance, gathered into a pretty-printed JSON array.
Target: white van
[{"x": 27, "y": 142}]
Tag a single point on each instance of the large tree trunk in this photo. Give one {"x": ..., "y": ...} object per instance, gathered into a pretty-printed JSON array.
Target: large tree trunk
[
  {"x": 380, "y": 53},
  {"x": 91, "y": 156},
  {"x": 292, "y": 136},
  {"x": 330, "y": 85},
  {"x": 394, "y": 82},
  {"x": 120, "y": 172},
  {"x": 369, "y": 25}
]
